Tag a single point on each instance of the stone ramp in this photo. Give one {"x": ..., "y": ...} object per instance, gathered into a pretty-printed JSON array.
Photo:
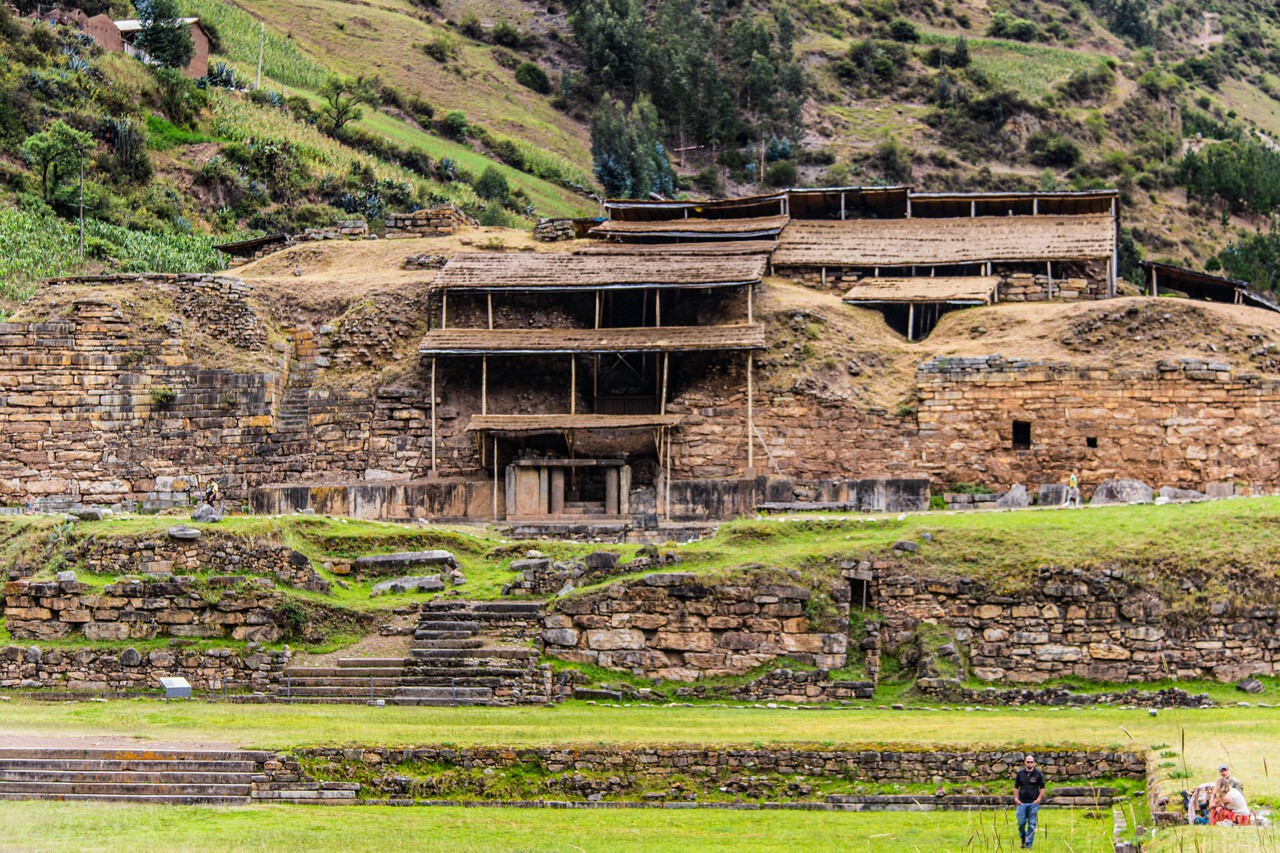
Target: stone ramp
[
  {"x": 167, "y": 777},
  {"x": 463, "y": 653}
]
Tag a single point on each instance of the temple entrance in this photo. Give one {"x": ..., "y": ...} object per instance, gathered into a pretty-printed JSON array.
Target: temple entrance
[{"x": 568, "y": 489}]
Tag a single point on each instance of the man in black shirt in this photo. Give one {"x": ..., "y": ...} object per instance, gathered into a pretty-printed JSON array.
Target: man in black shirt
[{"x": 1028, "y": 790}]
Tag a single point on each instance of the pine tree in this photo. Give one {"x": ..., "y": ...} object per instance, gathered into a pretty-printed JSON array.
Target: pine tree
[
  {"x": 164, "y": 37},
  {"x": 627, "y": 151}
]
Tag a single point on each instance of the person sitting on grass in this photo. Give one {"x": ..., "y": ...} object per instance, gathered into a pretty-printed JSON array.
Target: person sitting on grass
[
  {"x": 1028, "y": 791},
  {"x": 1228, "y": 805}
]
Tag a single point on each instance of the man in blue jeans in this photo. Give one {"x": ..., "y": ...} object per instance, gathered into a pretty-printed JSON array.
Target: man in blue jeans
[{"x": 1028, "y": 790}]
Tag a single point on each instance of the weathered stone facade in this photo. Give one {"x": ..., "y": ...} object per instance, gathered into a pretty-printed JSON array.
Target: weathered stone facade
[
  {"x": 1099, "y": 626},
  {"x": 97, "y": 670},
  {"x": 428, "y": 222},
  {"x": 212, "y": 552},
  {"x": 678, "y": 626},
  {"x": 235, "y": 607},
  {"x": 869, "y": 763}
]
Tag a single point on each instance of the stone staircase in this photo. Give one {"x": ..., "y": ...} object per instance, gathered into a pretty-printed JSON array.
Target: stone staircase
[
  {"x": 163, "y": 777},
  {"x": 143, "y": 776},
  {"x": 463, "y": 653},
  {"x": 293, "y": 417}
]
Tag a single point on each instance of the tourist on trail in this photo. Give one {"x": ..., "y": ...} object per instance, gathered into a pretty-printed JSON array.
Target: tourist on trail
[
  {"x": 1228, "y": 805},
  {"x": 212, "y": 493},
  {"x": 1073, "y": 490},
  {"x": 1028, "y": 791},
  {"x": 1224, "y": 772}
]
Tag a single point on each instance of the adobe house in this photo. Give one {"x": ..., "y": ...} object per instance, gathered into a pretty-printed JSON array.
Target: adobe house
[{"x": 119, "y": 37}]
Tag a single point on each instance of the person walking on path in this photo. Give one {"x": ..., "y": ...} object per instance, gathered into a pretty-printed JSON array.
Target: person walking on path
[
  {"x": 1073, "y": 491},
  {"x": 1028, "y": 791}
]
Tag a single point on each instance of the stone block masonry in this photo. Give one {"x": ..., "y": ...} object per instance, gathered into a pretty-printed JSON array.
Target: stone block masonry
[
  {"x": 870, "y": 763},
  {"x": 212, "y": 552},
  {"x": 235, "y": 607},
  {"x": 429, "y": 222},
  {"x": 1099, "y": 626},
  {"x": 677, "y": 626},
  {"x": 98, "y": 670}
]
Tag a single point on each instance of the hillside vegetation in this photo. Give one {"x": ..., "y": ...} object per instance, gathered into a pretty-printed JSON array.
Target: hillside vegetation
[{"x": 512, "y": 109}]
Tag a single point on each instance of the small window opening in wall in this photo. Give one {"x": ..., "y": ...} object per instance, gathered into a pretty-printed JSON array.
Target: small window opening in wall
[
  {"x": 1091, "y": 441},
  {"x": 1022, "y": 435}
]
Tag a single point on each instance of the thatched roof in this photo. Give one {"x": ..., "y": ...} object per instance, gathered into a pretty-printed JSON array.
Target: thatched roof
[
  {"x": 726, "y": 247},
  {"x": 856, "y": 202},
  {"x": 968, "y": 290},
  {"x": 947, "y": 205},
  {"x": 516, "y": 341},
  {"x": 908, "y": 242},
  {"x": 693, "y": 229},
  {"x": 564, "y": 271},
  {"x": 647, "y": 210},
  {"x": 559, "y": 423}
]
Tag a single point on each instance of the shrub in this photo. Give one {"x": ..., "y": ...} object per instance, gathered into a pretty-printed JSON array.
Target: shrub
[
  {"x": 532, "y": 77},
  {"x": 1050, "y": 149},
  {"x": 781, "y": 174},
  {"x": 454, "y": 124},
  {"x": 471, "y": 27},
  {"x": 163, "y": 397},
  {"x": 901, "y": 29},
  {"x": 505, "y": 34},
  {"x": 1004, "y": 25},
  {"x": 492, "y": 185},
  {"x": 442, "y": 48}
]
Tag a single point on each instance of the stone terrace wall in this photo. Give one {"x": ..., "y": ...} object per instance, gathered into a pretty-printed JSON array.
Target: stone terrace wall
[
  {"x": 433, "y": 222},
  {"x": 241, "y": 609},
  {"x": 212, "y": 552},
  {"x": 1181, "y": 423},
  {"x": 78, "y": 420},
  {"x": 110, "y": 669},
  {"x": 676, "y": 626},
  {"x": 871, "y": 764},
  {"x": 1098, "y": 626}
]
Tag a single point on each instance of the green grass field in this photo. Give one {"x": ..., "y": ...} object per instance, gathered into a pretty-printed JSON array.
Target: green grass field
[
  {"x": 66, "y": 826},
  {"x": 1243, "y": 737}
]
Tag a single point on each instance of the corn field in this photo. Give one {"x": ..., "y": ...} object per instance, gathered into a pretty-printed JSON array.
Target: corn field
[
  {"x": 36, "y": 246},
  {"x": 239, "y": 33}
]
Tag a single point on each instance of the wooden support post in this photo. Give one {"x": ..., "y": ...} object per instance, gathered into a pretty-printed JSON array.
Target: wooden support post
[
  {"x": 824, "y": 276},
  {"x": 489, "y": 294},
  {"x": 662, "y": 404},
  {"x": 1035, "y": 206},
  {"x": 495, "y": 478},
  {"x": 597, "y": 309},
  {"x": 573, "y": 385},
  {"x": 1048, "y": 267},
  {"x": 484, "y": 384},
  {"x": 657, "y": 307},
  {"x": 973, "y": 209},
  {"x": 751, "y": 416},
  {"x": 842, "y": 205},
  {"x": 444, "y": 309},
  {"x": 911, "y": 321},
  {"x": 750, "y": 317},
  {"x": 908, "y": 206},
  {"x": 433, "y": 416}
]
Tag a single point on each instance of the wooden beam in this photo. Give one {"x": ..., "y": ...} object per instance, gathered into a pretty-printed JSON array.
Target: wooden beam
[
  {"x": 597, "y": 309},
  {"x": 490, "y": 298},
  {"x": 750, "y": 317},
  {"x": 444, "y": 309},
  {"x": 751, "y": 419},
  {"x": 666, "y": 362},
  {"x": 433, "y": 416},
  {"x": 911, "y": 321},
  {"x": 573, "y": 385},
  {"x": 484, "y": 384},
  {"x": 842, "y": 205}
]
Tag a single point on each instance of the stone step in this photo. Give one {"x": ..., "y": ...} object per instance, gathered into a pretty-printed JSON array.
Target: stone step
[
  {"x": 439, "y": 703},
  {"x": 299, "y": 682},
  {"x": 125, "y": 788},
  {"x": 476, "y": 643},
  {"x": 372, "y": 662},
  {"x": 344, "y": 672},
  {"x": 162, "y": 799},
  {"x": 444, "y": 635},
  {"x": 132, "y": 755},
  {"x": 71, "y": 765},
  {"x": 126, "y": 776},
  {"x": 472, "y": 654},
  {"x": 432, "y": 692},
  {"x": 428, "y": 673},
  {"x": 337, "y": 690},
  {"x": 473, "y": 610},
  {"x": 448, "y": 625}
]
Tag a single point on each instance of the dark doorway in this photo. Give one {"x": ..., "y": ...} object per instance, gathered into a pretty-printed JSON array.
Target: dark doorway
[
  {"x": 860, "y": 592},
  {"x": 1022, "y": 435}
]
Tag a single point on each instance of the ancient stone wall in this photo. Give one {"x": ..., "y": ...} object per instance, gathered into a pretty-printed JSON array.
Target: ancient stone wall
[
  {"x": 1101, "y": 626},
  {"x": 867, "y": 763},
  {"x": 97, "y": 670},
  {"x": 677, "y": 626},
  {"x": 428, "y": 222},
  {"x": 1071, "y": 282},
  {"x": 212, "y": 552},
  {"x": 235, "y": 607}
]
